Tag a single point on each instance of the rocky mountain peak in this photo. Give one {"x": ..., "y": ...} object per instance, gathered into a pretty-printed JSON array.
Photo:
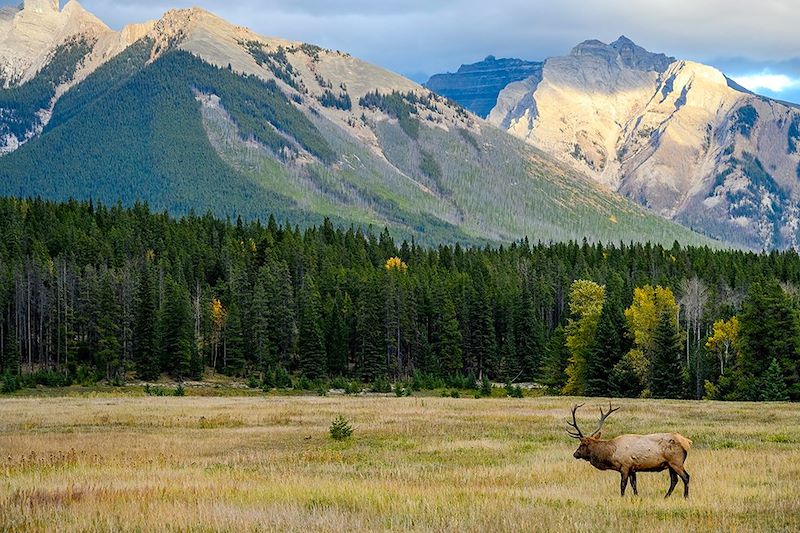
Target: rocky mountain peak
[
  {"x": 625, "y": 53},
  {"x": 41, "y": 6}
]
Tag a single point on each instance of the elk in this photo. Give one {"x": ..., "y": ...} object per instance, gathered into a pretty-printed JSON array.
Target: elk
[{"x": 629, "y": 454}]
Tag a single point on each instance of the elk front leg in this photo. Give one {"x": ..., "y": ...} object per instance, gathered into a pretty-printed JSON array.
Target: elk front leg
[
  {"x": 633, "y": 484},
  {"x": 623, "y": 483}
]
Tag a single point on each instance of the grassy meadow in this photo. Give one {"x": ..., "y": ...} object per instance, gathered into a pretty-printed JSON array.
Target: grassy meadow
[{"x": 108, "y": 462}]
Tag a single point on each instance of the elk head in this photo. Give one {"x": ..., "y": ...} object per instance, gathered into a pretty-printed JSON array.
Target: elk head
[{"x": 584, "y": 450}]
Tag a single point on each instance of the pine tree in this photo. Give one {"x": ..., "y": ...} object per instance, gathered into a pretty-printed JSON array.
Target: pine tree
[
  {"x": 623, "y": 380},
  {"x": 109, "y": 350},
  {"x": 666, "y": 372},
  {"x": 608, "y": 347},
  {"x": 282, "y": 314},
  {"x": 773, "y": 388},
  {"x": 448, "y": 347},
  {"x": 312, "y": 344},
  {"x": 234, "y": 343},
  {"x": 337, "y": 335},
  {"x": 529, "y": 335},
  {"x": 177, "y": 330},
  {"x": 145, "y": 331},
  {"x": 769, "y": 330},
  {"x": 480, "y": 339},
  {"x": 260, "y": 313},
  {"x": 369, "y": 338},
  {"x": 553, "y": 371}
]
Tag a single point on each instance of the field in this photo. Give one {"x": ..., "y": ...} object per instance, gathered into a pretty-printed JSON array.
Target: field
[{"x": 430, "y": 464}]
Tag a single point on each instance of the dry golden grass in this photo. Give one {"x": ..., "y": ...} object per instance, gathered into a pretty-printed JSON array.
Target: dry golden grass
[{"x": 431, "y": 464}]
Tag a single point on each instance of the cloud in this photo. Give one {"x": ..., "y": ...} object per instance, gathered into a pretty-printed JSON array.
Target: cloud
[
  {"x": 775, "y": 83},
  {"x": 417, "y": 36}
]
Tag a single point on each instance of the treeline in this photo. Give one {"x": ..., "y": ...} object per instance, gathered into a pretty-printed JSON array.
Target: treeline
[{"x": 90, "y": 292}]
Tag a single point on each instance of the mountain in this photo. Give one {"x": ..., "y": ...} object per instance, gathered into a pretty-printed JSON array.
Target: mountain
[
  {"x": 477, "y": 86},
  {"x": 675, "y": 136},
  {"x": 193, "y": 113}
]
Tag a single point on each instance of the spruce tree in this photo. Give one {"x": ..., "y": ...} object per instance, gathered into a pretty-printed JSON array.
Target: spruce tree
[
  {"x": 369, "y": 338},
  {"x": 666, "y": 373},
  {"x": 769, "y": 329},
  {"x": 608, "y": 347},
  {"x": 448, "y": 347},
  {"x": 480, "y": 341},
  {"x": 773, "y": 387},
  {"x": 553, "y": 370},
  {"x": 337, "y": 335},
  {"x": 312, "y": 343},
  {"x": 109, "y": 349},
  {"x": 234, "y": 343},
  {"x": 260, "y": 314},
  {"x": 282, "y": 314},
  {"x": 529, "y": 335},
  {"x": 177, "y": 330},
  {"x": 145, "y": 330}
]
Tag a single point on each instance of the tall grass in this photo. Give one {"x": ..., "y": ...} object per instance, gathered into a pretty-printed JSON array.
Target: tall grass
[{"x": 156, "y": 463}]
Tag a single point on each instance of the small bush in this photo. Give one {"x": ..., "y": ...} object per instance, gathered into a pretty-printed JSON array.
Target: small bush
[
  {"x": 179, "y": 390},
  {"x": 252, "y": 382},
  {"x": 514, "y": 391},
  {"x": 486, "y": 387},
  {"x": 381, "y": 384},
  {"x": 154, "y": 391},
  {"x": 339, "y": 383},
  {"x": 10, "y": 382},
  {"x": 455, "y": 394},
  {"x": 340, "y": 428},
  {"x": 282, "y": 378},
  {"x": 352, "y": 387},
  {"x": 710, "y": 390},
  {"x": 322, "y": 389},
  {"x": 303, "y": 383}
]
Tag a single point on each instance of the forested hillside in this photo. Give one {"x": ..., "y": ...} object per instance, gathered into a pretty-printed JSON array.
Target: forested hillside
[{"x": 90, "y": 293}]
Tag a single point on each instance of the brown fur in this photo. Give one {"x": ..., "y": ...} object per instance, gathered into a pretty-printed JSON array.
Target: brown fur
[{"x": 629, "y": 454}]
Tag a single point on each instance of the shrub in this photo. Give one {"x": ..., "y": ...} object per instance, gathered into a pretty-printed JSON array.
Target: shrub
[
  {"x": 154, "y": 391},
  {"x": 339, "y": 383},
  {"x": 179, "y": 390},
  {"x": 340, "y": 428},
  {"x": 514, "y": 391},
  {"x": 252, "y": 382},
  {"x": 10, "y": 382},
  {"x": 282, "y": 378},
  {"x": 352, "y": 387},
  {"x": 455, "y": 394},
  {"x": 303, "y": 383},
  {"x": 381, "y": 384},
  {"x": 486, "y": 387}
]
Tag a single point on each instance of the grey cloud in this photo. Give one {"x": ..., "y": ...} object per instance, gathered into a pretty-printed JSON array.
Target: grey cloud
[{"x": 414, "y": 36}]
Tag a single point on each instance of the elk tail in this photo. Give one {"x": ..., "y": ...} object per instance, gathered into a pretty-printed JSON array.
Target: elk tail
[{"x": 683, "y": 441}]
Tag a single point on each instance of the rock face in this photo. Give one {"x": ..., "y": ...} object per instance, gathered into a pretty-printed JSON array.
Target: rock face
[
  {"x": 477, "y": 86},
  {"x": 29, "y": 35},
  {"x": 676, "y": 136}
]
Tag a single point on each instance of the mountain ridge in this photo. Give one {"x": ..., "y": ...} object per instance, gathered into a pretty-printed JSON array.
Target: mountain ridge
[
  {"x": 677, "y": 136},
  {"x": 190, "y": 112}
]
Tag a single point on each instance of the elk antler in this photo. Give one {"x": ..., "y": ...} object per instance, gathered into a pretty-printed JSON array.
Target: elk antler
[
  {"x": 603, "y": 417},
  {"x": 577, "y": 434}
]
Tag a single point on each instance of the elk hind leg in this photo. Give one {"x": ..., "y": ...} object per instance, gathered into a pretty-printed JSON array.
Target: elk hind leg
[
  {"x": 685, "y": 478},
  {"x": 633, "y": 484},
  {"x": 673, "y": 480},
  {"x": 623, "y": 483}
]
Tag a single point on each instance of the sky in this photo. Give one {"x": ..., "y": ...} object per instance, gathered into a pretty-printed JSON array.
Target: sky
[{"x": 754, "y": 42}]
